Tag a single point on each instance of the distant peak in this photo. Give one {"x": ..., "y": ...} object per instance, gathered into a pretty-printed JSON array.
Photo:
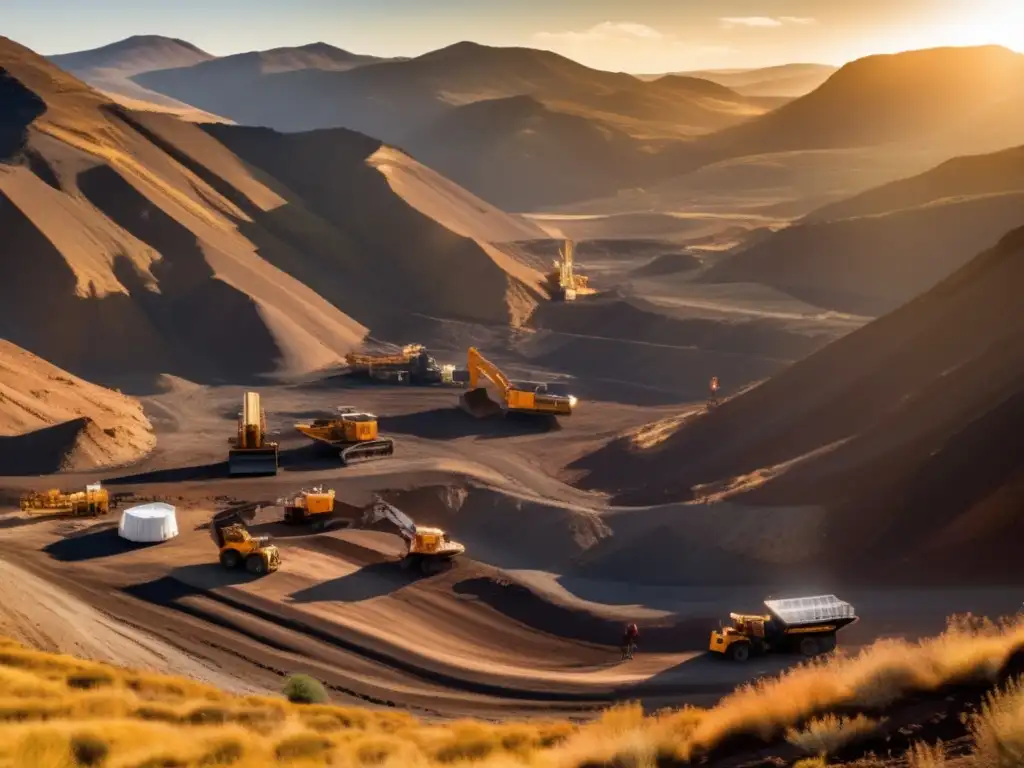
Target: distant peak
[{"x": 147, "y": 40}]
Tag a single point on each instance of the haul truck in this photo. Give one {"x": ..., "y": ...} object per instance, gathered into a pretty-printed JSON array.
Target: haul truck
[{"x": 807, "y": 625}]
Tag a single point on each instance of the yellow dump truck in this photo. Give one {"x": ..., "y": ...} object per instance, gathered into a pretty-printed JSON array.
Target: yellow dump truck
[
  {"x": 807, "y": 625},
  {"x": 239, "y": 548}
]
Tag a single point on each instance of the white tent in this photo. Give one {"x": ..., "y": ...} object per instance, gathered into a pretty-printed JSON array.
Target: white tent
[{"x": 148, "y": 523}]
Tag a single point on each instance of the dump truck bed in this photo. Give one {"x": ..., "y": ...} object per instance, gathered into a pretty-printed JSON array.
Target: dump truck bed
[{"x": 812, "y": 612}]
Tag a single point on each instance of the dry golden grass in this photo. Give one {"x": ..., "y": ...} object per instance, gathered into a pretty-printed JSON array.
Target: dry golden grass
[
  {"x": 60, "y": 711},
  {"x": 826, "y": 735}
]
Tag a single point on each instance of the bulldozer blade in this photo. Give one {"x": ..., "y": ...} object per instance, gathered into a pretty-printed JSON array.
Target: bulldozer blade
[
  {"x": 367, "y": 451},
  {"x": 477, "y": 403},
  {"x": 252, "y": 463}
]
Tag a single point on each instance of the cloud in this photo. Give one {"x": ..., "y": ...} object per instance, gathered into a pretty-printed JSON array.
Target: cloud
[
  {"x": 630, "y": 47},
  {"x": 763, "y": 22},
  {"x": 606, "y": 30}
]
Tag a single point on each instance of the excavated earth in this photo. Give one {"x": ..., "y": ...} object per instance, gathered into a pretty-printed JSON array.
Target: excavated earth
[{"x": 527, "y": 622}]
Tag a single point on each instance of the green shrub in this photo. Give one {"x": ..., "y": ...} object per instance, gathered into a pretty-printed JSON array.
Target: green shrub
[{"x": 303, "y": 689}]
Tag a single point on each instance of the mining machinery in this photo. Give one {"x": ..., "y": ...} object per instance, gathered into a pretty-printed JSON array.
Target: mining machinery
[
  {"x": 520, "y": 398},
  {"x": 92, "y": 502},
  {"x": 313, "y": 505},
  {"x": 352, "y": 433},
  {"x": 238, "y": 548},
  {"x": 807, "y": 625},
  {"x": 251, "y": 452},
  {"x": 563, "y": 283},
  {"x": 413, "y": 365},
  {"x": 429, "y": 550}
]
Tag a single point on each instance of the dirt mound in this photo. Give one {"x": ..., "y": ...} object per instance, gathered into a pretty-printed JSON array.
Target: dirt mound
[
  {"x": 872, "y": 264},
  {"x": 51, "y": 421},
  {"x": 902, "y": 430},
  {"x": 171, "y": 254},
  {"x": 668, "y": 264}
]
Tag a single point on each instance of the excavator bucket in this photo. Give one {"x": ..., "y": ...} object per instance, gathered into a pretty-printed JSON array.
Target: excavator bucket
[
  {"x": 477, "y": 403},
  {"x": 253, "y": 461},
  {"x": 367, "y": 450}
]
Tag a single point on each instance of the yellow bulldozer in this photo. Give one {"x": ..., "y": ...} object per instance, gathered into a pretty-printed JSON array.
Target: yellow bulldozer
[
  {"x": 93, "y": 501},
  {"x": 314, "y": 505},
  {"x": 239, "y": 548},
  {"x": 352, "y": 433},
  {"x": 531, "y": 398},
  {"x": 251, "y": 452}
]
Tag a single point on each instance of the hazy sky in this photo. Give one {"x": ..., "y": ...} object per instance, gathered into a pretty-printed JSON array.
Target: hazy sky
[{"x": 631, "y": 35}]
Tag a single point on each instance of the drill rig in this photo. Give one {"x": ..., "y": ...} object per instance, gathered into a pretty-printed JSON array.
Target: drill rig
[
  {"x": 563, "y": 282},
  {"x": 429, "y": 549}
]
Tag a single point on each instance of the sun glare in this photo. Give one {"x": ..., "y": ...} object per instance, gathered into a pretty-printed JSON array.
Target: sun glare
[{"x": 999, "y": 21}]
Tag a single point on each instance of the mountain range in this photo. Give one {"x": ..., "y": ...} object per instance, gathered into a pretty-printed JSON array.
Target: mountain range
[
  {"x": 227, "y": 252},
  {"x": 557, "y": 133}
]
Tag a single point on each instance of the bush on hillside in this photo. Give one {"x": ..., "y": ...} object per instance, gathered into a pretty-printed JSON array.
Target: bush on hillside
[{"x": 303, "y": 689}]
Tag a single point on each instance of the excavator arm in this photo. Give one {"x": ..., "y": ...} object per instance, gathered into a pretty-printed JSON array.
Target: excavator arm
[
  {"x": 380, "y": 511},
  {"x": 479, "y": 365}
]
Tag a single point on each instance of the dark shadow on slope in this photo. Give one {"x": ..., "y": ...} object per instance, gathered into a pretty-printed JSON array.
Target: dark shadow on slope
[
  {"x": 196, "y": 472},
  {"x": 454, "y": 423},
  {"x": 20, "y": 107},
  {"x": 387, "y": 238},
  {"x": 41, "y": 167},
  {"x": 370, "y": 581},
  {"x": 530, "y": 609},
  {"x": 42, "y": 451},
  {"x": 95, "y": 544},
  {"x": 213, "y": 332}
]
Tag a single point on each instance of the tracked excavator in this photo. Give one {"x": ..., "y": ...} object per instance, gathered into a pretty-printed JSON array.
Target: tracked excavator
[
  {"x": 352, "y": 433},
  {"x": 252, "y": 453},
  {"x": 429, "y": 550},
  {"x": 533, "y": 398},
  {"x": 239, "y": 548}
]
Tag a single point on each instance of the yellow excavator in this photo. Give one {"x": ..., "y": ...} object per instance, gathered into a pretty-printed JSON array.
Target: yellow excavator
[
  {"x": 314, "y": 505},
  {"x": 93, "y": 501},
  {"x": 532, "y": 398},
  {"x": 238, "y": 547},
  {"x": 251, "y": 452},
  {"x": 429, "y": 550},
  {"x": 353, "y": 433}
]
